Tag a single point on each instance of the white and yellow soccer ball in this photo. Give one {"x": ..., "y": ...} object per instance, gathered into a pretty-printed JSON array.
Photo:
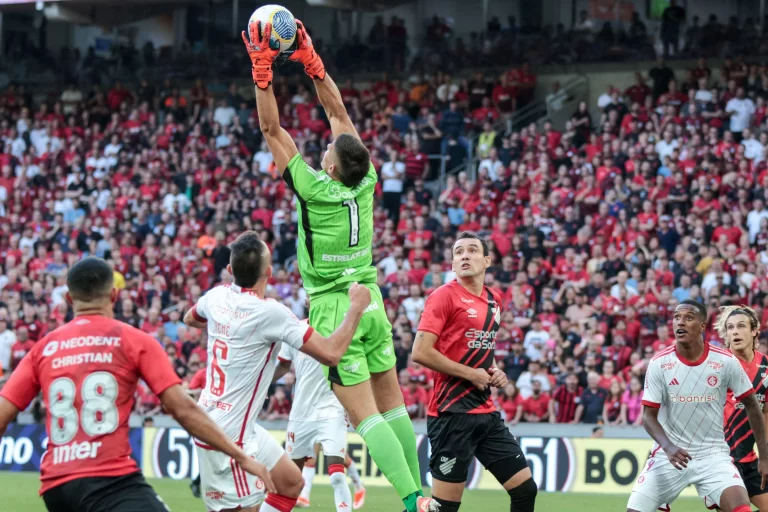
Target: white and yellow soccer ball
[{"x": 283, "y": 24}]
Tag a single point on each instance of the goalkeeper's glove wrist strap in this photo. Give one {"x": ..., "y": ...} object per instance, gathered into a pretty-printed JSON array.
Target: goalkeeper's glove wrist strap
[
  {"x": 262, "y": 76},
  {"x": 315, "y": 67}
]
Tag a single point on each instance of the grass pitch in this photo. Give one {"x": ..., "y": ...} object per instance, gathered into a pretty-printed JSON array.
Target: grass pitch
[{"x": 18, "y": 493}]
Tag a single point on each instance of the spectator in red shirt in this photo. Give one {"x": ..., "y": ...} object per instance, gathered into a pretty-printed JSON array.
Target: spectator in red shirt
[
  {"x": 536, "y": 407},
  {"x": 415, "y": 395},
  {"x": 22, "y": 346},
  {"x": 117, "y": 95},
  {"x": 279, "y": 407},
  {"x": 511, "y": 403},
  {"x": 152, "y": 324}
]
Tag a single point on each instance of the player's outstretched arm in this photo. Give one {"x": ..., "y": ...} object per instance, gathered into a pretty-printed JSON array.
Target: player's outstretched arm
[
  {"x": 326, "y": 88},
  {"x": 8, "y": 412},
  {"x": 20, "y": 390},
  {"x": 282, "y": 368},
  {"x": 278, "y": 140},
  {"x": 194, "y": 420},
  {"x": 425, "y": 353},
  {"x": 330, "y": 98},
  {"x": 263, "y": 54},
  {"x": 193, "y": 319},
  {"x": 330, "y": 350}
]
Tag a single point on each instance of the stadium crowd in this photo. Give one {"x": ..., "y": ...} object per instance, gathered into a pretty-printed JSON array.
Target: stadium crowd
[{"x": 597, "y": 229}]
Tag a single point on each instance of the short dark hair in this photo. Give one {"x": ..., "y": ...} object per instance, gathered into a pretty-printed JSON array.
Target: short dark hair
[
  {"x": 473, "y": 236},
  {"x": 247, "y": 257},
  {"x": 90, "y": 279},
  {"x": 698, "y": 306},
  {"x": 354, "y": 160}
]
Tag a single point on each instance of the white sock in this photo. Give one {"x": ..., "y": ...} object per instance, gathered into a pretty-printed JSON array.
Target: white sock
[
  {"x": 266, "y": 507},
  {"x": 354, "y": 475},
  {"x": 341, "y": 494},
  {"x": 309, "y": 474}
]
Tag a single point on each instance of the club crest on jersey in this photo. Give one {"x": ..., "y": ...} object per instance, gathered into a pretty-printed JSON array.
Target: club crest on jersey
[
  {"x": 669, "y": 366},
  {"x": 715, "y": 365},
  {"x": 712, "y": 380},
  {"x": 51, "y": 348}
]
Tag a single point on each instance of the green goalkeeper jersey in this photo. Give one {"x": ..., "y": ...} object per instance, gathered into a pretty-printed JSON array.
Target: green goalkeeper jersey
[{"x": 335, "y": 228}]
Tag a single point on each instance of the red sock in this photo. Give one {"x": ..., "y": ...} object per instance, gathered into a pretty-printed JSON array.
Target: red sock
[
  {"x": 280, "y": 503},
  {"x": 335, "y": 468},
  {"x": 743, "y": 508}
]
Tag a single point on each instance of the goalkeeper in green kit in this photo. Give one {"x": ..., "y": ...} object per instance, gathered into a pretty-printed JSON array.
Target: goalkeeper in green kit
[{"x": 335, "y": 208}]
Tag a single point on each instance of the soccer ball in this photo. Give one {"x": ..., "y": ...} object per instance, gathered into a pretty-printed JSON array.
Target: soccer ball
[{"x": 283, "y": 24}]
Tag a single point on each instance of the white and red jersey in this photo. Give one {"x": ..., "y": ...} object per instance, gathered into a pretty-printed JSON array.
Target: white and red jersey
[
  {"x": 313, "y": 399},
  {"x": 245, "y": 334},
  {"x": 692, "y": 395},
  {"x": 88, "y": 370}
]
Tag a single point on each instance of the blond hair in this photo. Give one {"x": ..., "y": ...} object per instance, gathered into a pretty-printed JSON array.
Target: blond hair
[{"x": 725, "y": 314}]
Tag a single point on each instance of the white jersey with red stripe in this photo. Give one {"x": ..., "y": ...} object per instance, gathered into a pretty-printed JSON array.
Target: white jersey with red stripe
[
  {"x": 245, "y": 334},
  {"x": 692, "y": 394},
  {"x": 313, "y": 399}
]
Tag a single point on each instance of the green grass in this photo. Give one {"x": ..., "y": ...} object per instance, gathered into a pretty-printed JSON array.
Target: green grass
[{"x": 18, "y": 493}]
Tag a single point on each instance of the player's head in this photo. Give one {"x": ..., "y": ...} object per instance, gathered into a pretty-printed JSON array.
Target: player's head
[
  {"x": 689, "y": 321},
  {"x": 347, "y": 160},
  {"x": 738, "y": 326},
  {"x": 90, "y": 284},
  {"x": 470, "y": 255},
  {"x": 249, "y": 260}
]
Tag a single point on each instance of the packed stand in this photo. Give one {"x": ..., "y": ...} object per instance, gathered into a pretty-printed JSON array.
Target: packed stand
[
  {"x": 158, "y": 182},
  {"x": 597, "y": 230}
]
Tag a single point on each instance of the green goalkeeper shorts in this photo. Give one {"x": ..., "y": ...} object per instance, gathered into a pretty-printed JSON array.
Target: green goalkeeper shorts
[{"x": 371, "y": 350}]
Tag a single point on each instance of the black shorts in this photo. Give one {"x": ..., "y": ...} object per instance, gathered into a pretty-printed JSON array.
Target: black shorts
[
  {"x": 751, "y": 477},
  {"x": 129, "y": 493},
  {"x": 457, "y": 438}
]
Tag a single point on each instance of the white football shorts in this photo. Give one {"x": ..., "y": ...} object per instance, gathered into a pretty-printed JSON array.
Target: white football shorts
[
  {"x": 224, "y": 484},
  {"x": 660, "y": 482},
  {"x": 302, "y": 436}
]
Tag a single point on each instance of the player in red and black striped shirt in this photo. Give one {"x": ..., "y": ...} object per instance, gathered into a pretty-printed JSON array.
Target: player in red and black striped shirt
[
  {"x": 456, "y": 338},
  {"x": 739, "y": 327}
]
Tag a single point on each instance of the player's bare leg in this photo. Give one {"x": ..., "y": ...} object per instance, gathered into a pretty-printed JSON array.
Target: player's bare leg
[
  {"x": 761, "y": 502},
  {"x": 287, "y": 478},
  {"x": 307, "y": 467},
  {"x": 308, "y": 471},
  {"x": 354, "y": 475},
  {"x": 735, "y": 499}
]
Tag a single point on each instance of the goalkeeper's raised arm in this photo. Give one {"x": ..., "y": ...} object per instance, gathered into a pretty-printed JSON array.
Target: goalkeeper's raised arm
[
  {"x": 327, "y": 91},
  {"x": 263, "y": 55}
]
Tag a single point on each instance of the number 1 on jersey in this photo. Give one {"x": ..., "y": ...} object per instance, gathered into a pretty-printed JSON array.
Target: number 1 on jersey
[{"x": 354, "y": 221}]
